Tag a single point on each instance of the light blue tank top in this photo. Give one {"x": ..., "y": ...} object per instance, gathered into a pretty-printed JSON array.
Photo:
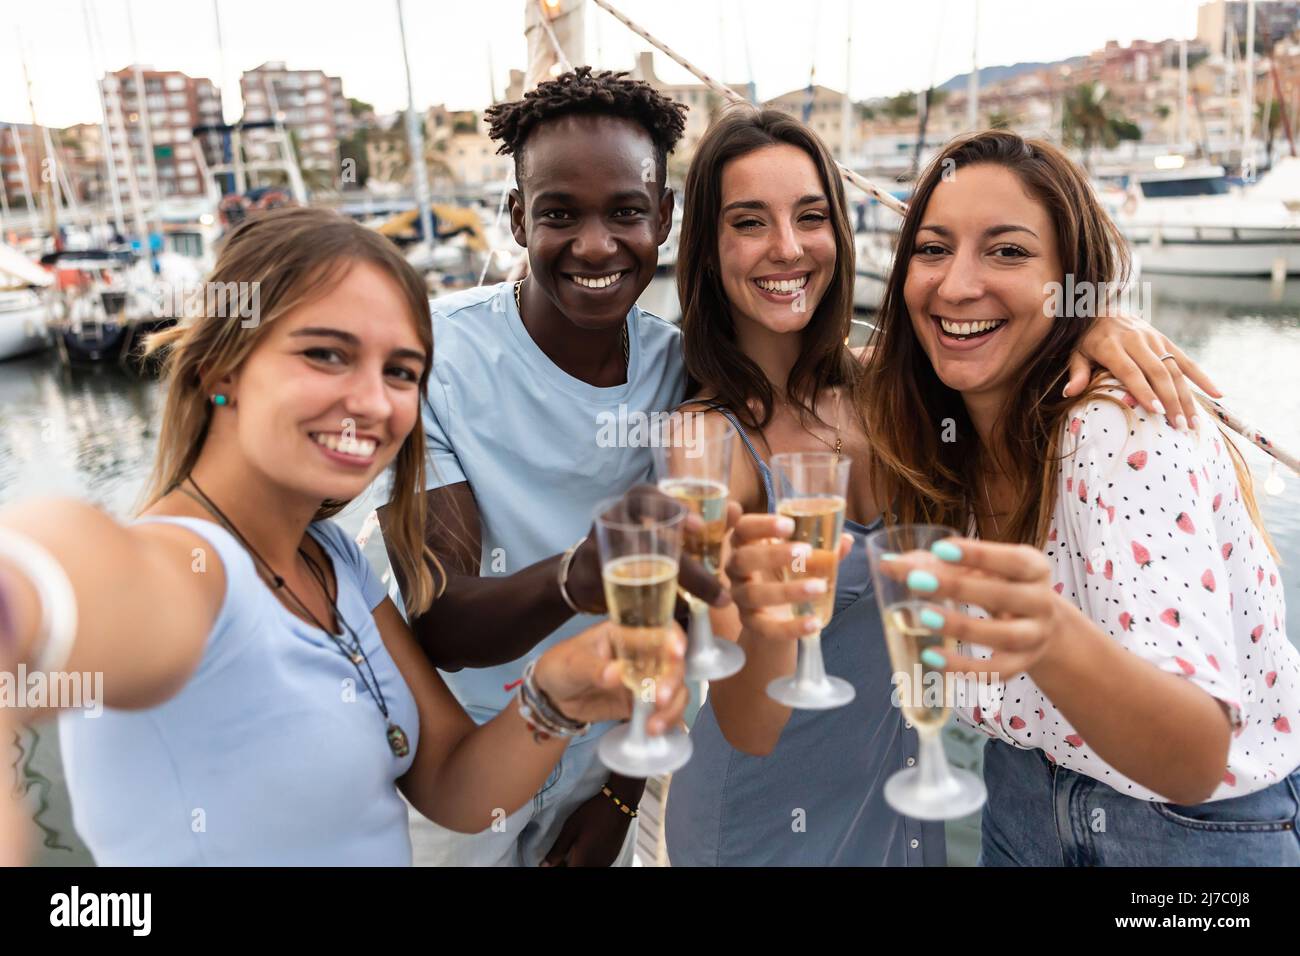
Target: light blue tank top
[
  {"x": 818, "y": 798},
  {"x": 273, "y": 753}
]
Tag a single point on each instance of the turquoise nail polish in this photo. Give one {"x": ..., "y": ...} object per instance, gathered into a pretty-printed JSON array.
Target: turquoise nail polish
[
  {"x": 933, "y": 658},
  {"x": 889, "y": 556},
  {"x": 932, "y": 619},
  {"x": 946, "y": 550},
  {"x": 922, "y": 581}
]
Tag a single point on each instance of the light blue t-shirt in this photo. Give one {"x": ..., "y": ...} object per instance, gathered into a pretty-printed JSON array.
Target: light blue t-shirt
[
  {"x": 539, "y": 448},
  {"x": 272, "y": 754}
]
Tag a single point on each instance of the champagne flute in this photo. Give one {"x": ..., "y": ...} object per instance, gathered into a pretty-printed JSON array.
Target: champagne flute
[
  {"x": 810, "y": 489},
  {"x": 640, "y": 539},
  {"x": 933, "y": 789},
  {"x": 693, "y": 464}
]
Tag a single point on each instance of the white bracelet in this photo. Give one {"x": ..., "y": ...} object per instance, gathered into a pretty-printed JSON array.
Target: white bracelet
[{"x": 58, "y": 631}]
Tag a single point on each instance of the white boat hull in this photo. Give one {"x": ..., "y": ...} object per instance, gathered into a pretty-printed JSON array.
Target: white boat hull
[
  {"x": 22, "y": 326},
  {"x": 1260, "y": 253}
]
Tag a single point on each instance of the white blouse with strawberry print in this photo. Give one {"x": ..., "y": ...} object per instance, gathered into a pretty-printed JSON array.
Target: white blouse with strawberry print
[{"x": 1151, "y": 539}]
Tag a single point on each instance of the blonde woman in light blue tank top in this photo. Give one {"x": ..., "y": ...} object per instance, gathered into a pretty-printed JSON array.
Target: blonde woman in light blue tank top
[{"x": 265, "y": 702}]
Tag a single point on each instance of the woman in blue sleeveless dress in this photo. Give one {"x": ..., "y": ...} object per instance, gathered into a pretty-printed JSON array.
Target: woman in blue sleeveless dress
[
  {"x": 767, "y": 245},
  {"x": 263, "y": 701},
  {"x": 815, "y": 798}
]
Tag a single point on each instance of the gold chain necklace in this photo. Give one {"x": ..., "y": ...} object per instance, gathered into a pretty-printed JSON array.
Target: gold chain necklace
[
  {"x": 627, "y": 363},
  {"x": 838, "y": 447}
]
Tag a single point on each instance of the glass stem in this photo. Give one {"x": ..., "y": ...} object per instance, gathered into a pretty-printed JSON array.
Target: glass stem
[
  {"x": 932, "y": 762},
  {"x": 636, "y": 729},
  {"x": 809, "y": 667},
  {"x": 699, "y": 640}
]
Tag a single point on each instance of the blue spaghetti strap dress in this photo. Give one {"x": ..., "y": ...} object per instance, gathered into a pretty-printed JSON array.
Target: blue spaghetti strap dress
[{"x": 818, "y": 798}]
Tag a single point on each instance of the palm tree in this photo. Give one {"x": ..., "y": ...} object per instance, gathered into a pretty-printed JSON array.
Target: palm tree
[{"x": 1087, "y": 121}]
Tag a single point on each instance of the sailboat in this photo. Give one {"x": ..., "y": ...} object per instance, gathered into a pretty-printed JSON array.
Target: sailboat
[{"x": 22, "y": 308}]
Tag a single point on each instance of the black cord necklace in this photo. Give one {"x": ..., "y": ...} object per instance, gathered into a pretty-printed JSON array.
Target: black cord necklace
[{"x": 397, "y": 739}]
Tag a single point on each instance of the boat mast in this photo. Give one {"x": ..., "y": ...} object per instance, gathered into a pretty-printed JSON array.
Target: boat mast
[
  {"x": 556, "y": 35},
  {"x": 51, "y": 209},
  {"x": 973, "y": 81},
  {"x": 22, "y": 172},
  {"x": 119, "y": 127},
  {"x": 415, "y": 140},
  {"x": 846, "y": 104},
  {"x": 4, "y": 206},
  {"x": 109, "y": 162},
  {"x": 53, "y": 171},
  {"x": 1281, "y": 105},
  {"x": 1182, "y": 93},
  {"x": 146, "y": 123},
  {"x": 1248, "y": 97},
  {"x": 234, "y": 139}
]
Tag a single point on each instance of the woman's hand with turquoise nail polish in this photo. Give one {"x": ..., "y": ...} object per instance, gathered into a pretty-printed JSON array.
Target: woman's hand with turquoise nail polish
[
  {"x": 946, "y": 550},
  {"x": 923, "y": 581},
  {"x": 1012, "y": 583}
]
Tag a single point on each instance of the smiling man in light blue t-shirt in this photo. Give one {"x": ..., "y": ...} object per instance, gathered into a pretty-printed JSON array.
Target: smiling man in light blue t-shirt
[{"x": 536, "y": 388}]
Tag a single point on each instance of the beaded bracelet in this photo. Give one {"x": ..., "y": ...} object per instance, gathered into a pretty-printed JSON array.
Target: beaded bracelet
[{"x": 624, "y": 807}]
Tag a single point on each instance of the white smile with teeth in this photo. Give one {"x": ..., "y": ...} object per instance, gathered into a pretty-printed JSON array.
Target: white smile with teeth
[
  {"x": 782, "y": 285},
  {"x": 597, "y": 282},
  {"x": 344, "y": 444},
  {"x": 969, "y": 328}
]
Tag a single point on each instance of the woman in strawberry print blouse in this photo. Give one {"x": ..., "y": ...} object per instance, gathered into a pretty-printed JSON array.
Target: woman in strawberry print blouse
[{"x": 1118, "y": 594}]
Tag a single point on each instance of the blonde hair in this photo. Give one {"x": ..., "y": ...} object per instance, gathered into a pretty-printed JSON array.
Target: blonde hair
[{"x": 290, "y": 257}]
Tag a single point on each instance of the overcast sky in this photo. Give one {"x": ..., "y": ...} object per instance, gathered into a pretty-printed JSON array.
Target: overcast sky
[{"x": 897, "y": 44}]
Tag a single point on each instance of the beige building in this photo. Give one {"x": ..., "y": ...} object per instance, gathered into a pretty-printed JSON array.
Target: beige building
[
  {"x": 471, "y": 156},
  {"x": 703, "y": 107},
  {"x": 457, "y": 151},
  {"x": 81, "y": 148},
  {"x": 824, "y": 112}
]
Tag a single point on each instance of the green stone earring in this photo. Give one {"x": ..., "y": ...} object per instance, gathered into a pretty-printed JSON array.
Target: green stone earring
[{"x": 218, "y": 399}]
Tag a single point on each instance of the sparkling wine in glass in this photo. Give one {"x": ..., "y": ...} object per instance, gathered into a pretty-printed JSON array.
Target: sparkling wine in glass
[
  {"x": 811, "y": 489},
  {"x": 639, "y": 537},
  {"x": 693, "y": 464},
  {"x": 933, "y": 789}
]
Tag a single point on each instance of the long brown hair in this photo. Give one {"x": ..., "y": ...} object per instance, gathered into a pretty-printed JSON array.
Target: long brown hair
[
  {"x": 932, "y": 480},
  {"x": 290, "y": 256},
  {"x": 714, "y": 360}
]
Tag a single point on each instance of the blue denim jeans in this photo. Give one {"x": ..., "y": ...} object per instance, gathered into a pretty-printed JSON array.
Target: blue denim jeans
[{"x": 1042, "y": 815}]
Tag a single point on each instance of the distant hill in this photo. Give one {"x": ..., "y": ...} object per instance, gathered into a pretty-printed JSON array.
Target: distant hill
[{"x": 994, "y": 74}]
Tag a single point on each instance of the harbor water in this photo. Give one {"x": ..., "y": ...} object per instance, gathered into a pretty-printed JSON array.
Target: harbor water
[{"x": 92, "y": 435}]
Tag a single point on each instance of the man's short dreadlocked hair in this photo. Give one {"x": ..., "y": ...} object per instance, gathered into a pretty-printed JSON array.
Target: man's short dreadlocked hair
[{"x": 583, "y": 92}]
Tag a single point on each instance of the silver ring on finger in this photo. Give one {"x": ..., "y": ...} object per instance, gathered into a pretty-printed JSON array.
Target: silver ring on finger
[{"x": 1168, "y": 355}]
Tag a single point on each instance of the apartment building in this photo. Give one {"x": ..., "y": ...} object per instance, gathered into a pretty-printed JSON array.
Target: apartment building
[
  {"x": 309, "y": 103},
  {"x": 176, "y": 103}
]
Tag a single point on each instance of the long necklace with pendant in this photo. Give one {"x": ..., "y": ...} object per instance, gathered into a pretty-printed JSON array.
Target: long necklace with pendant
[{"x": 398, "y": 742}]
